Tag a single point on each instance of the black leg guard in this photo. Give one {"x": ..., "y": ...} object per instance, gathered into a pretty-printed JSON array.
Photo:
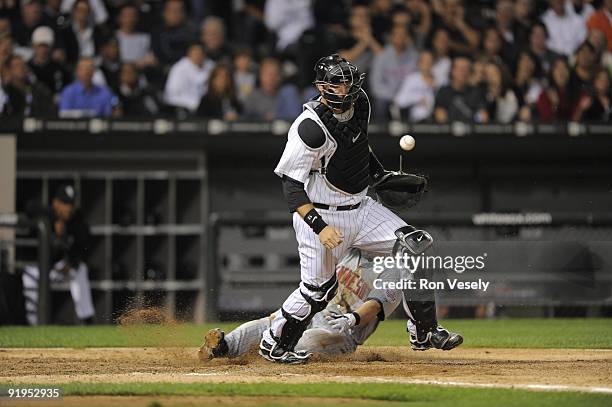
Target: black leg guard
[
  {"x": 420, "y": 305},
  {"x": 294, "y": 328},
  {"x": 422, "y": 314}
]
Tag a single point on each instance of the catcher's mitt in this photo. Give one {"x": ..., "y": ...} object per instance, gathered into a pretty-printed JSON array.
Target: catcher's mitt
[{"x": 399, "y": 191}]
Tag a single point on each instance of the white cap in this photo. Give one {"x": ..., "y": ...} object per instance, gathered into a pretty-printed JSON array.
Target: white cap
[{"x": 43, "y": 35}]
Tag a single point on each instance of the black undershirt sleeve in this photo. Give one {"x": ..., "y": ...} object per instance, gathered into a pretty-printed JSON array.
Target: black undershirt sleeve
[{"x": 294, "y": 193}]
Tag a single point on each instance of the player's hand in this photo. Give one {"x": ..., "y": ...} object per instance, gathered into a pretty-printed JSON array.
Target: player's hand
[
  {"x": 342, "y": 323},
  {"x": 330, "y": 237}
]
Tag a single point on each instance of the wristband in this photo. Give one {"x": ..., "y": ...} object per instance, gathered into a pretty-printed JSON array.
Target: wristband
[
  {"x": 357, "y": 318},
  {"x": 315, "y": 221}
]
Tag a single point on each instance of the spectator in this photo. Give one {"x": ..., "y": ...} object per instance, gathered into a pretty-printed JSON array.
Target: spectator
[
  {"x": 493, "y": 46},
  {"x": 566, "y": 31},
  {"x": 31, "y": 18},
  {"x": 597, "y": 106},
  {"x": 83, "y": 98},
  {"x": 70, "y": 241},
  {"x": 582, "y": 75},
  {"x": 602, "y": 20},
  {"x": 538, "y": 37},
  {"x": 507, "y": 27},
  {"x": 6, "y": 34},
  {"x": 420, "y": 19},
  {"x": 80, "y": 38},
  {"x": 99, "y": 13},
  {"x": 188, "y": 80},
  {"x": 442, "y": 62},
  {"x": 134, "y": 47},
  {"x": 555, "y": 102},
  {"x": 527, "y": 84},
  {"x": 5, "y": 27},
  {"x": 136, "y": 100},
  {"x": 458, "y": 101},
  {"x": 288, "y": 19},
  {"x": 48, "y": 72},
  {"x": 213, "y": 40},
  {"x": 52, "y": 15},
  {"x": 220, "y": 102},
  {"x": 360, "y": 46},
  {"x": 10, "y": 9},
  {"x": 477, "y": 78},
  {"x": 250, "y": 18},
  {"x": 523, "y": 15},
  {"x": 389, "y": 68},
  {"x": 463, "y": 39},
  {"x": 171, "y": 41},
  {"x": 580, "y": 8},
  {"x": 244, "y": 75},
  {"x": 271, "y": 100},
  {"x": 598, "y": 39},
  {"x": 400, "y": 16},
  {"x": 502, "y": 103},
  {"x": 330, "y": 14},
  {"x": 109, "y": 64},
  {"x": 416, "y": 95},
  {"x": 6, "y": 50},
  {"x": 380, "y": 13},
  {"x": 25, "y": 97}
]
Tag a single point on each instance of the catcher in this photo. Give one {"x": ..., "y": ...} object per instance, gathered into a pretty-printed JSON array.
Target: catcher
[{"x": 325, "y": 169}]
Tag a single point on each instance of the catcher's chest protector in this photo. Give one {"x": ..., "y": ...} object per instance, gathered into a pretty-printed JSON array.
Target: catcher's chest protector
[{"x": 348, "y": 168}]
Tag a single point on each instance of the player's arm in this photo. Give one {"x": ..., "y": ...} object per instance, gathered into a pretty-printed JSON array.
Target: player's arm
[
  {"x": 299, "y": 202},
  {"x": 368, "y": 311},
  {"x": 313, "y": 138}
]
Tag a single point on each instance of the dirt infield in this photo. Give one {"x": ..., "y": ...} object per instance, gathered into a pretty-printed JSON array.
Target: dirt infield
[{"x": 487, "y": 367}]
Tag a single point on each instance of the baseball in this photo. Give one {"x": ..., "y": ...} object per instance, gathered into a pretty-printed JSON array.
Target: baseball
[{"x": 407, "y": 142}]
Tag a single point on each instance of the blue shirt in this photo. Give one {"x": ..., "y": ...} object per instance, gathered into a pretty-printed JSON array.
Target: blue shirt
[
  {"x": 288, "y": 103},
  {"x": 98, "y": 101}
]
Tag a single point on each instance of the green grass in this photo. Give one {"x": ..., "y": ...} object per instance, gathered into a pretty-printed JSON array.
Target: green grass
[
  {"x": 512, "y": 333},
  {"x": 413, "y": 395}
]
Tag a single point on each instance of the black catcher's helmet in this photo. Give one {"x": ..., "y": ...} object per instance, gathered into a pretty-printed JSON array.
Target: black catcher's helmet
[{"x": 335, "y": 70}]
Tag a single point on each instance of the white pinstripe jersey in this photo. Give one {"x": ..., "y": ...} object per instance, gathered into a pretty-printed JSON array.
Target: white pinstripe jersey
[{"x": 299, "y": 161}]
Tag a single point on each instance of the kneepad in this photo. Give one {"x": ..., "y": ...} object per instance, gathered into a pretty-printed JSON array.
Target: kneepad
[
  {"x": 317, "y": 298},
  {"x": 411, "y": 239}
]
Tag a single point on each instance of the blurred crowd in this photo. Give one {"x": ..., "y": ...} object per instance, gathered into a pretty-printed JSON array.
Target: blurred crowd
[{"x": 426, "y": 61}]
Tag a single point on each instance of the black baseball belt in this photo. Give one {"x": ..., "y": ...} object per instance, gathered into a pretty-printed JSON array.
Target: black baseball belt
[{"x": 336, "y": 208}]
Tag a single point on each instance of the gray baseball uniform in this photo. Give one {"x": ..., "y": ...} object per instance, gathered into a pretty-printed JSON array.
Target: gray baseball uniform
[{"x": 356, "y": 286}]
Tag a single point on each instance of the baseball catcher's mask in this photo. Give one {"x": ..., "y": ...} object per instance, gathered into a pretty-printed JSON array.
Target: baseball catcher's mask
[
  {"x": 340, "y": 81},
  {"x": 398, "y": 191}
]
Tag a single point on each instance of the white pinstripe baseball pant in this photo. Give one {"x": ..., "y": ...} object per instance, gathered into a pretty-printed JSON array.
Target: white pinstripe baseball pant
[{"x": 370, "y": 227}]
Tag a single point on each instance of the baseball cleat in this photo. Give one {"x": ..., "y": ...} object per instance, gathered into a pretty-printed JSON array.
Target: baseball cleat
[
  {"x": 438, "y": 338},
  {"x": 214, "y": 345},
  {"x": 275, "y": 354}
]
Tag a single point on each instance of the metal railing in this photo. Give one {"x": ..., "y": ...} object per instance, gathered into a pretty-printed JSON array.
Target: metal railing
[
  {"x": 43, "y": 237},
  {"x": 215, "y": 127}
]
